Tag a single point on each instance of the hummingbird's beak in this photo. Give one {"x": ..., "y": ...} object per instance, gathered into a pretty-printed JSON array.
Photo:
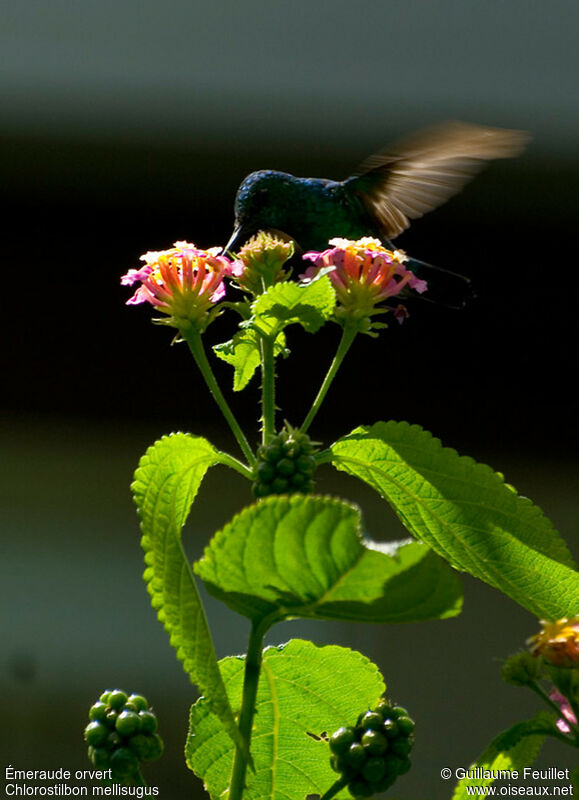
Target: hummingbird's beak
[{"x": 236, "y": 238}]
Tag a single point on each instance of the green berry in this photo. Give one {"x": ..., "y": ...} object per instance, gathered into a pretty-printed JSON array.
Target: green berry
[
  {"x": 265, "y": 472},
  {"x": 405, "y": 725},
  {"x": 147, "y": 722},
  {"x": 372, "y": 721},
  {"x": 111, "y": 718},
  {"x": 96, "y": 734},
  {"x": 146, "y": 747},
  {"x": 384, "y": 708},
  {"x": 403, "y": 766},
  {"x": 401, "y": 747},
  {"x": 394, "y": 764},
  {"x": 123, "y": 762},
  {"x": 113, "y": 740},
  {"x": 341, "y": 740},
  {"x": 280, "y": 485},
  {"x": 374, "y": 742},
  {"x": 128, "y": 723},
  {"x": 117, "y": 699},
  {"x": 104, "y": 698},
  {"x": 99, "y": 757},
  {"x": 153, "y": 747},
  {"x": 390, "y": 728},
  {"x": 141, "y": 703},
  {"x": 98, "y": 712},
  {"x": 285, "y": 467},
  {"x": 359, "y": 722},
  {"x": 139, "y": 744},
  {"x": 273, "y": 452},
  {"x": 354, "y": 756},
  {"x": 398, "y": 711},
  {"x": 385, "y": 783},
  {"x": 306, "y": 464},
  {"x": 359, "y": 788},
  {"x": 374, "y": 770}
]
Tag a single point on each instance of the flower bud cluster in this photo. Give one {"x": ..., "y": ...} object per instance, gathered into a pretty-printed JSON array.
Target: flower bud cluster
[
  {"x": 121, "y": 733},
  {"x": 522, "y": 669},
  {"x": 263, "y": 257},
  {"x": 373, "y": 753}
]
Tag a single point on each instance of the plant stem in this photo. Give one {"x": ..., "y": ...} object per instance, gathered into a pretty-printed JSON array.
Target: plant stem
[
  {"x": 232, "y": 462},
  {"x": 348, "y": 336},
  {"x": 138, "y": 779},
  {"x": 335, "y": 788},
  {"x": 267, "y": 388},
  {"x": 193, "y": 339},
  {"x": 250, "y": 682}
]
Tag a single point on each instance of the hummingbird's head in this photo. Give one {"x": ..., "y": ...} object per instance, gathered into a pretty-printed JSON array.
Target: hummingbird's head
[{"x": 258, "y": 204}]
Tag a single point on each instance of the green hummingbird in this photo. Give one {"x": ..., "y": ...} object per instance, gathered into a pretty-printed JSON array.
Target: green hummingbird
[{"x": 389, "y": 189}]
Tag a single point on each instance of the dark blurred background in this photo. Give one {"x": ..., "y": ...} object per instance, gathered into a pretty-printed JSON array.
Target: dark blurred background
[{"x": 127, "y": 126}]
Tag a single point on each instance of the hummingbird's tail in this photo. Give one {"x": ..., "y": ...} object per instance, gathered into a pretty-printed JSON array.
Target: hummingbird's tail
[{"x": 446, "y": 288}]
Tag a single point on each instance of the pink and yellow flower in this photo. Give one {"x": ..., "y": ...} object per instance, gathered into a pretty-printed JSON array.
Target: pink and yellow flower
[
  {"x": 558, "y": 642},
  {"x": 183, "y": 282},
  {"x": 364, "y": 273}
]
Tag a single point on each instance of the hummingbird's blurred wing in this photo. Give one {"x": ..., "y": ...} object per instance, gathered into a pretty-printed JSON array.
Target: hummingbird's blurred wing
[{"x": 423, "y": 170}]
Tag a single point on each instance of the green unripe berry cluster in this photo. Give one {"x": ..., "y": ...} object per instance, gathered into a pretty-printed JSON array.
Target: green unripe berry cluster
[
  {"x": 286, "y": 465},
  {"x": 121, "y": 733},
  {"x": 373, "y": 753}
]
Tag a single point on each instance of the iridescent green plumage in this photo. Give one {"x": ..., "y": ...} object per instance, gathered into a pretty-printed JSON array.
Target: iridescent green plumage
[{"x": 309, "y": 210}]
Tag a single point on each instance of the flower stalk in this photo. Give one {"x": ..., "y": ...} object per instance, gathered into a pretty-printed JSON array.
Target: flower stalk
[
  {"x": 193, "y": 338},
  {"x": 348, "y": 335}
]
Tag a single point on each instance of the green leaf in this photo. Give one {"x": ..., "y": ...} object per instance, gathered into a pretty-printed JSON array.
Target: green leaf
[
  {"x": 513, "y": 749},
  {"x": 166, "y": 483},
  {"x": 304, "y": 556},
  {"x": 310, "y": 305},
  {"x": 304, "y": 692},
  {"x": 466, "y": 513},
  {"x": 243, "y": 353},
  {"x": 283, "y": 304}
]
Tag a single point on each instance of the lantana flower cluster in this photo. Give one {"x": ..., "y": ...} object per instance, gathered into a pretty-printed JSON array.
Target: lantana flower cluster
[
  {"x": 558, "y": 642},
  {"x": 553, "y": 656},
  {"x": 558, "y": 645},
  {"x": 364, "y": 273},
  {"x": 185, "y": 282}
]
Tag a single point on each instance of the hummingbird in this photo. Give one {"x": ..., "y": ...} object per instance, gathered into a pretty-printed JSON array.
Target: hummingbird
[{"x": 387, "y": 191}]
